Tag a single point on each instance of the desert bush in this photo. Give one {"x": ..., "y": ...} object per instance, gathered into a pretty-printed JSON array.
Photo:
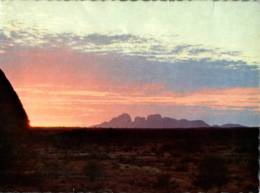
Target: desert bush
[
  {"x": 11, "y": 156},
  {"x": 253, "y": 166},
  {"x": 193, "y": 145},
  {"x": 153, "y": 149},
  {"x": 115, "y": 165},
  {"x": 181, "y": 167},
  {"x": 94, "y": 170},
  {"x": 247, "y": 146},
  {"x": 252, "y": 187},
  {"x": 168, "y": 163},
  {"x": 167, "y": 147},
  {"x": 99, "y": 155},
  {"x": 6, "y": 159},
  {"x": 187, "y": 158},
  {"x": 212, "y": 172},
  {"x": 48, "y": 168},
  {"x": 7, "y": 152},
  {"x": 164, "y": 182}
]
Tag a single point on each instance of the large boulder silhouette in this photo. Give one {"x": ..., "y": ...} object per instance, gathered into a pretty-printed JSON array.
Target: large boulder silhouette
[{"x": 13, "y": 117}]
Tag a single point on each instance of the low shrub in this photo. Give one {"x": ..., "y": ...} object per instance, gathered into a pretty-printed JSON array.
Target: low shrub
[
  {"x": 165, "y": 183},
  {"x": 212, "y": 172},
  {"x": 94, "y": 170}
]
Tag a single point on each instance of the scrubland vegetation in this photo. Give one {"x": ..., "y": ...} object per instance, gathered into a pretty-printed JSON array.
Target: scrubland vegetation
[{"x": 214, "y": 160}]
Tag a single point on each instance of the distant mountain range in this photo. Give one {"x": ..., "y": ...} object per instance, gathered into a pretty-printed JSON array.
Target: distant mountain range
[{"x": 157, "y": 121}]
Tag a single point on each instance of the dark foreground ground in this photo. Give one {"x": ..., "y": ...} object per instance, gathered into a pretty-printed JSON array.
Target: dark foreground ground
[{"x": 132, "y": 161}]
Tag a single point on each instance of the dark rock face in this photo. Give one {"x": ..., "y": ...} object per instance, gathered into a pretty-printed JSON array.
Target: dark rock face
[
  {"x": 152, "y": 121},
  {"x": 13, "y": 117}
]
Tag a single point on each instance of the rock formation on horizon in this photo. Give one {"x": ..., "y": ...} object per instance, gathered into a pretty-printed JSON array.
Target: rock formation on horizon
[
  {"x": 123, "y": 120},
  {"x": 13, "y": 117},
  {"x": 152, "y": 121},
  {"x": 231, "y": 125}
]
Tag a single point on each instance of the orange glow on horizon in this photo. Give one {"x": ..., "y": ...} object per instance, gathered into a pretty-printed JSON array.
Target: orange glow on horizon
[
  {"x": 72, "y": 107},
  {"x": 54, "y": 93}
]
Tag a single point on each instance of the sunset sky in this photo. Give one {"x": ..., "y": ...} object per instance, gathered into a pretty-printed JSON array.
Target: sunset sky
[{"x": 81, "y": 63}]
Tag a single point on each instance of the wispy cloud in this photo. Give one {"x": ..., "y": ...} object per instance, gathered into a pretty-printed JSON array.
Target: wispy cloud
[
  {"x": 166, "y": 50},
  {"x": 44, "y": 65}
]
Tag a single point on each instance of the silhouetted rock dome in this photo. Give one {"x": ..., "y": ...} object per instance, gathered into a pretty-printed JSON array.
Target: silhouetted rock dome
[
  {"x": 122, "y": 120},
  {"x": 154, "y": 117},
  {"x": 152, "y": 121},
  {"x": 12, "y": 114}
]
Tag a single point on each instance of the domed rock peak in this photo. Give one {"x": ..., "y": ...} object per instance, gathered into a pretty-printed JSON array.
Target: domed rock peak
[{"x": 13, "y": 117}]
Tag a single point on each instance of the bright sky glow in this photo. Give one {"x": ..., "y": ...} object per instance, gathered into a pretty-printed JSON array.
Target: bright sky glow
[{"x": 199, "y": 58}]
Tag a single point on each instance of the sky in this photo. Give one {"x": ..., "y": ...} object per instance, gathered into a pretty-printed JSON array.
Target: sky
[{"x": 81, "y": 63}]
